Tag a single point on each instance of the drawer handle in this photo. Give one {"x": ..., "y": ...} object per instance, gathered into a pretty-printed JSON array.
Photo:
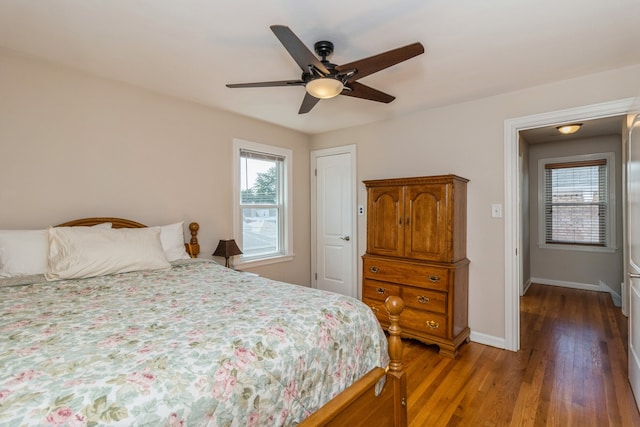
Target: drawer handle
[
  {"x": 434, "y": 279},
  {"x": 381, "y": 291},
  {"x": 433, "y": 324},
  {"x": 374, "y": 269},
  {"x": 422, "y": 299},
  {"x": 374, "y": 309}
]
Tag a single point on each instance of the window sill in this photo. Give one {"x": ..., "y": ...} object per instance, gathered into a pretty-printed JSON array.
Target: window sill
[
  {"x": 263, "y": 261},
  {"x": 580, "y": 248}
]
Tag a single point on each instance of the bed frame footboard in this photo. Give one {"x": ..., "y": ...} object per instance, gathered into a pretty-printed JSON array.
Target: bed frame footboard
[{"x": 358, "y": 405}]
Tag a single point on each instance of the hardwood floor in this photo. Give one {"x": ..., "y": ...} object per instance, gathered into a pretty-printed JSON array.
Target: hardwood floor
[{"x": 571, "y": 370}]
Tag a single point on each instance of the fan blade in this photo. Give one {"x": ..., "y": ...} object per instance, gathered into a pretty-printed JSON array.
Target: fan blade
[
  {"x": 269, "y": 84},
  {"x": 298, "y": 51},
  {"x": 308, "y": 103},
  {"x": 372, "y": 64},
  {"x": 358, "y": 90}
]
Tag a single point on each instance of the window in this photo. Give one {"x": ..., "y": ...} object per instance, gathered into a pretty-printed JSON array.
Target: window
[
  {"x": 577, "y": 202},
  {"x": 261, "y": 193}
]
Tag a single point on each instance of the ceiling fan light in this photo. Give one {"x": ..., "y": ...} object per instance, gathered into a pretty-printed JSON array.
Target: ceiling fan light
[
  {"x": 324, "y": 87},
  {"x": 569, "y": 129}
]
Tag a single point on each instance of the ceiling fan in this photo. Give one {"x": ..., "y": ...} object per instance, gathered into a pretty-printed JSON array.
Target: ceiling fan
[{"x": 323, "y": 80}]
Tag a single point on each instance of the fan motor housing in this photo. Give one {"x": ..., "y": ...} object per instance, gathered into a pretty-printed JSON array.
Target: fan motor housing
[{"x": 323, "y": 49}]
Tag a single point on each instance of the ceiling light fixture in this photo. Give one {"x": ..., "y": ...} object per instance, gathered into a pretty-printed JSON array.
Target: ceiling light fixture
[
  {"x": 324, "y": 87},
  {"x": 569, "y": 129}
]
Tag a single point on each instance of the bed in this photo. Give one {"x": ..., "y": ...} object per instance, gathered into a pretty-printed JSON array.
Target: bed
[{"x": 192, "y": 343}]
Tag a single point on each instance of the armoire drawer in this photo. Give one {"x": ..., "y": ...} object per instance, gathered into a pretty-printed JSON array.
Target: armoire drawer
[
  {"x": 424, "y": 322},
  {"x": 424, "y": 299},
  {"x": 406, "y": 273},
  {"x": 379, "y": 290}
]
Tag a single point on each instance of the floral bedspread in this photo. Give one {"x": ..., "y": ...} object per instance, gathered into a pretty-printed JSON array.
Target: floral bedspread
[{"x": 197, "y": 345}]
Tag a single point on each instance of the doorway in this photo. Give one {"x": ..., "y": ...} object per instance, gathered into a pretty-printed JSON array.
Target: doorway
[
  {"x": 513, "y": 199},
  {"x": 577, "y": 243}
]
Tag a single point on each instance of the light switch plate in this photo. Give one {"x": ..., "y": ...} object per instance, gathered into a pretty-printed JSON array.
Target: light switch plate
[{"x": 496, "y": 210}]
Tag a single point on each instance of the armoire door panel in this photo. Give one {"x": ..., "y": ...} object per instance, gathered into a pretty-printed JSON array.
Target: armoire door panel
[
  {"x": 426, "y": 222},
  {"x": 384, "y": 233}
]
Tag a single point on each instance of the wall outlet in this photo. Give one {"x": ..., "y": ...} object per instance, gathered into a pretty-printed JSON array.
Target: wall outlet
[
  {"x": 360, "y": 209},
  {"x": 496, "y": 210}
]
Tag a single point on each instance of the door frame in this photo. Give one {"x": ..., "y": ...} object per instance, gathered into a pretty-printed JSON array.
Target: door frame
[
  {"x": 631, "y": 267},
  {"x": 512, "y": 196},
  {"x": 345, "y": 149}
]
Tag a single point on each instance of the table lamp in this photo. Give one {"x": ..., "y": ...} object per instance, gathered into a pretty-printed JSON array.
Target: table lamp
[{"x": 226, "y": 249}]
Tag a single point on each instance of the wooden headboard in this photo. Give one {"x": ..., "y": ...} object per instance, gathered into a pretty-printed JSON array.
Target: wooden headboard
[{"x": 192, "y": 247}]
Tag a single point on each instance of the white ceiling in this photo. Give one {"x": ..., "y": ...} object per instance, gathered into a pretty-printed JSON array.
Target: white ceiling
[{"x": 192, "y": 48}]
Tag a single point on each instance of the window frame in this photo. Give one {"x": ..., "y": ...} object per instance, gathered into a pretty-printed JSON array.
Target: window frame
[
  {"x": 610, "y": 231},
  {"x": 285, "y": 223}
]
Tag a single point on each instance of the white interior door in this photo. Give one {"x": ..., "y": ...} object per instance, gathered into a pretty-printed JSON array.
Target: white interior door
[
  {"x": 633, "y": 267},
  {"x": 335, "y": 223}
]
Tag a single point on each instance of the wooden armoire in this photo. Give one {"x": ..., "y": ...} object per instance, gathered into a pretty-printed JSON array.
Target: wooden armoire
[{"x": 416, "y": 249}]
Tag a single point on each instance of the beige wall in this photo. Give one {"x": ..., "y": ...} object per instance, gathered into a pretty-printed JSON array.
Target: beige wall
[
  {"x": 73, "y": 145},
  {"x": 467, "y": 139}
]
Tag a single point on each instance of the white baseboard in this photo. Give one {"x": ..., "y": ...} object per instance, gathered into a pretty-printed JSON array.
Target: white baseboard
[
  {"x": 525, "y": 288},
  {"x": 574, "y": 285},
  {"x": 488, "y": 340},
  {"x": 617, "y": 299},
  {"x": 601, "y": 287}
]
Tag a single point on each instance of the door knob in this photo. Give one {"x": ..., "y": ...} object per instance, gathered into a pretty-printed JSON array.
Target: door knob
[{"x": 346, "y": 238}]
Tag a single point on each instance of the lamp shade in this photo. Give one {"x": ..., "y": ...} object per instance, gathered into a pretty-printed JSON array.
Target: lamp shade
[
  {"x": 226, "y": 249},
  {"x": 324, "y": 88},
  {"x": 569, "y": 129}
]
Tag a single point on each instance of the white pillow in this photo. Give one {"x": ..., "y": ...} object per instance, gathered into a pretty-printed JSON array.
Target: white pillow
[
  {"x": 86, "y": 252},
  {"x": 24, "y": 252},
  {"x": 172, "y": 239}
]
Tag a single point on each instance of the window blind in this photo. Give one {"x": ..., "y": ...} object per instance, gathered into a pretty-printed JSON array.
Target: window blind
[
  {"x": 576, "y": 203},
  {"x": 248, "y": 154}
]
